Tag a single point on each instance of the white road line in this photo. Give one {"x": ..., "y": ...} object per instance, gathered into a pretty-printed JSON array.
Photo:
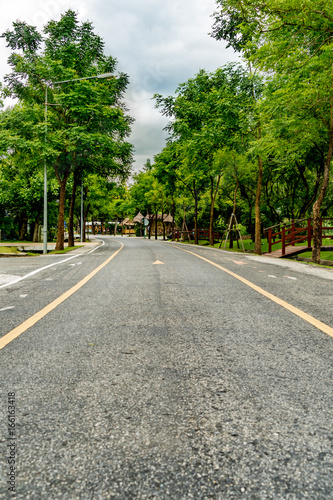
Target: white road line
[
  {"x": 24, "y": 296},
  {"x": 103, "y": 243},
  {"x": 39, "y": 270},
  {"x": 20, "y": 278},
  {"x": 290, "y": 277},
  {"x": 271, "y": 276},
  {"x": 8, "y": 278},
  {"x": 6, "y": 308}
]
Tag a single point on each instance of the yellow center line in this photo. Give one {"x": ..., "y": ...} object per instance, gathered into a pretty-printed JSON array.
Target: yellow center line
[
  {"x": 306, "y": 317},
  {"x": 6, "y": 339}
]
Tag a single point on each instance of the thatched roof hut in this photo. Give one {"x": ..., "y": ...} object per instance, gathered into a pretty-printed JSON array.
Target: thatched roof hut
[
  {"x": 138, "y": 218},
  {"x": 166, "y": 218},
  {"x": 127, "y": 222}
]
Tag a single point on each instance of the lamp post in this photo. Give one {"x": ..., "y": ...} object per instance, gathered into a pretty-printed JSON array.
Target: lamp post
[{"x": 101, "y": 76}]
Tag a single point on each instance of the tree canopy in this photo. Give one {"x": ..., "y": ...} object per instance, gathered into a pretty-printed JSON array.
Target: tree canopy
[{"x": 87, "y": 121}]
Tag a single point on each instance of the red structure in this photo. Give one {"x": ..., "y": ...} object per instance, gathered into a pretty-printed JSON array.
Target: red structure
[{"x": 292, "y": 234}]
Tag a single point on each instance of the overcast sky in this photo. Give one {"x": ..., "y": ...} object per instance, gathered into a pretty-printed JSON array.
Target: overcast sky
[{"x": 158, "y": 43}]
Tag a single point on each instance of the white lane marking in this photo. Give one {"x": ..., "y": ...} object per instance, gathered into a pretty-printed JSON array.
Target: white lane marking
[
  {"x": 290, "y": 277},
  {"x": 103, "y": 243},
  {"x": 239, "y": 262},
  {"x": 8, "y": 278},
  {"x": 23, "y": 327},
  {"x": 6, "y": 308},
  {"x": 24, "y": 296},
  {"x": 71, "y": 265},
  {"x": 20, "y": 278},
  {"x": 271, "y": 276}
]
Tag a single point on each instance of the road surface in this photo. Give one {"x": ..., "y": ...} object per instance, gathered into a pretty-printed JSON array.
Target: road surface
[{"x": 160, "y": 375}]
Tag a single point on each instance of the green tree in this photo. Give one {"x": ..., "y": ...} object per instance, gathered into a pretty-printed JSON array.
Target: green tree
[
  {"x": 87, "y": 121},
  {"x": 21, "y": 181},
  {"x": 210, "y": 112},
  {"x": 292, "y": 43}
]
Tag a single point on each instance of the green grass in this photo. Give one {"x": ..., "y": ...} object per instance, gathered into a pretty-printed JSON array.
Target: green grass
[
  {"x": 65, "y": 250},
  {"x": 249, "y": 246},
  {"x": 8, "y": 250},
  {"x": 323, "y": 255}
]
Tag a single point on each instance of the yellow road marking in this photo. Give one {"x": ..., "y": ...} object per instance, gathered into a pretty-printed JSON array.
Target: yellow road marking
[
  {"x": 6, "y": 339},
  {"x": 310, "y": 319}
]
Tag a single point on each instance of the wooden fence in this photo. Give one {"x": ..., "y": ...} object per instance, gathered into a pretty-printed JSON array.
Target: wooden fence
[{"x": 295, "y": 232}]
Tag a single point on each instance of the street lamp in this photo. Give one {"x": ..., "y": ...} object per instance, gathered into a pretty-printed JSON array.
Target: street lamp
[{"x": 101, "y": 76}]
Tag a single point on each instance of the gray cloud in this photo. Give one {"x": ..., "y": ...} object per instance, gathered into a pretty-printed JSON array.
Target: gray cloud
[{"x": 158, "y": 43}]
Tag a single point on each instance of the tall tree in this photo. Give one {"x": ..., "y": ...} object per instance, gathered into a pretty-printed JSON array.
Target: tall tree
[
  {"x": 87, "y": 121},
  {"x": 21, "y": 179},
  {"x": 292, "y": 42},
  {"x": 210, "y": 112}
]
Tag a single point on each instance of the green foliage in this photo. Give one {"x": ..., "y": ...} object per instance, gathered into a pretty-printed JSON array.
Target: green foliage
[{"x": 87, "y": 124}]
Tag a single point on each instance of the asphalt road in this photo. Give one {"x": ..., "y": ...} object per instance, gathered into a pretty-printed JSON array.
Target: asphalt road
[{"x": 169, "y": 380}]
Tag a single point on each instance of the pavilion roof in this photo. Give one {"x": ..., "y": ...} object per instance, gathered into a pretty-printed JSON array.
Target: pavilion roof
[{"x": 138, "y": 218}]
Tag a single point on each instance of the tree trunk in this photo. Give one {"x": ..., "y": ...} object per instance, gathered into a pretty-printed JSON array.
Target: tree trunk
[
  {"x": 85, "y": 217},
  {"x": 156, "y": 225},
  {"x": 257, "y": 244},
  {"x": 233, "y": 228},
  {"x": 173, "y": 211},
  {"x": 163, "y": 223},
  {"x": 317, "y": 237},
  {"x": 213, "y": 194},
  {"x": 71, "y": 242},
  {"x": 195, "y": 195},
  {"x": 36, "y": 230},
  {"x": 84, "y": 229},
  {"x": 115, "y": 227},
  {"x": 61, "y": 216},
  {"x": 23, "y": 227}
]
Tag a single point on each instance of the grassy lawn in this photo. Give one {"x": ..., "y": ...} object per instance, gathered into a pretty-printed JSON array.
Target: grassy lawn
[
  {"x": 14, "y": 250},
  {"x": 323, "y": 255},
  {"x": 65, "y": 250},
  {"x": 249, "y": 247},
  {"x": 8, "y": 250}
]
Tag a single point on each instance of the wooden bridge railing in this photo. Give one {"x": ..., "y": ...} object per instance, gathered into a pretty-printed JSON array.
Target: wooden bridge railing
[{"x": 296, "y": 231}]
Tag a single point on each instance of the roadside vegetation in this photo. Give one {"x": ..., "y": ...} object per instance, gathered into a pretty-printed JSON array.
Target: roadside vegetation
[
  {"x": 254, "y": 139},
  {"x": 65, "y": 250},
  {"x": 249, "y": 247}
]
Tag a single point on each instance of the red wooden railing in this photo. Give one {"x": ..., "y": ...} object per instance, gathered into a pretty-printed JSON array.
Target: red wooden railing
[{"x": 296, "y": 231}]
